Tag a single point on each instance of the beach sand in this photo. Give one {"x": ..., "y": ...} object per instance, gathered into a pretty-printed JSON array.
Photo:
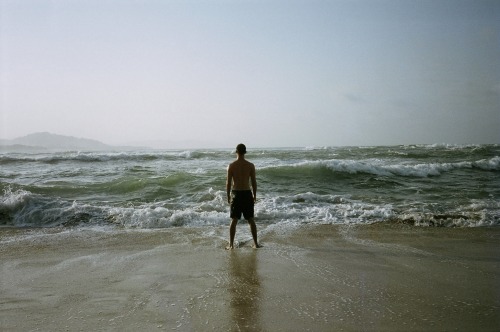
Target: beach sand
[{"x": 312, "y": 278}]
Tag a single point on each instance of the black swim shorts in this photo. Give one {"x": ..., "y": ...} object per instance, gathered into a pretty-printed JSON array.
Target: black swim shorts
[{"x": 242, "y": 203}]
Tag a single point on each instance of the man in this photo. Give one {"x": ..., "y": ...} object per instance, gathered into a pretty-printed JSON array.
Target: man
[{"x": 240, "y": 174}]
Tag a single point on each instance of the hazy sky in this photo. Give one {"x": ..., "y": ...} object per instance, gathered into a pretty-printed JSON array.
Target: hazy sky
[{"x": 263, "y": 72}]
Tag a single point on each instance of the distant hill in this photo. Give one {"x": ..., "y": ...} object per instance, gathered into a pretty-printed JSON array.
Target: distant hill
[{"x": 48, "y": 141}]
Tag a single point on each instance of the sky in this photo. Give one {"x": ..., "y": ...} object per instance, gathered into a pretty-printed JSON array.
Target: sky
[{"x": 267, "y": 73}]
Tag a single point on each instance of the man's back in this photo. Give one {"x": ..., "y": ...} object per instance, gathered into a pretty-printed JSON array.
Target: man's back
[{"x": 241, "y": 172}]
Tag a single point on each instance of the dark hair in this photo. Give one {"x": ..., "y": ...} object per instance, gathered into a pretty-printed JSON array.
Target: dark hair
[{"x": 241, "y": 148}]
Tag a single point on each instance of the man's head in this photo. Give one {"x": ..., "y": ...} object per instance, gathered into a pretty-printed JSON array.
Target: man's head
[{"x": 241, "y": 149}]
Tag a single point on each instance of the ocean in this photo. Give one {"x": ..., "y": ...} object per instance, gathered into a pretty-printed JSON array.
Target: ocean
[
  {"x": 385, "y": 238},
  {"x": 418, "y": 185}
]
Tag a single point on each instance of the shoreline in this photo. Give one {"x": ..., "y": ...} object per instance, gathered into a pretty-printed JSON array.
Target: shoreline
[{"x": 318, "y": 278}]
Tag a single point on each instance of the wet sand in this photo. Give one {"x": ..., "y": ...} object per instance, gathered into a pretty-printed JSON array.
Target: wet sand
[{"x": 314, "y": 278}]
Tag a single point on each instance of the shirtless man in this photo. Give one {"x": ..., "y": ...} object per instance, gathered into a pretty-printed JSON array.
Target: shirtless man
[{"x": 239, "y": 174}]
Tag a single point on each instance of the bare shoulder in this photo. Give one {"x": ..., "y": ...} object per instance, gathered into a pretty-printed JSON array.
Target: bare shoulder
[
  {"x": 241, "y": 164},
  {"x": 248, "y": 165},
  {"x": 252, "y": 169}
]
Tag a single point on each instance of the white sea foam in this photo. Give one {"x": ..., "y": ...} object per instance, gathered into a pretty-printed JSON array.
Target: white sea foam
[
  {"x": 157, "y": 189},
  {"x": 384, "y": 168},
  {"x": 492, "y": 164},
  {"x": 324, "y": 209},
  {"x": 28, "y": 209},
  {"x": 12, "y": 199}
]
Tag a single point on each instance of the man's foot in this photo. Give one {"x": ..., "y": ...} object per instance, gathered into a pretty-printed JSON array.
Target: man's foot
[
  {"x": 255, "y": 246},
  {"x": 229, "y": 248}
]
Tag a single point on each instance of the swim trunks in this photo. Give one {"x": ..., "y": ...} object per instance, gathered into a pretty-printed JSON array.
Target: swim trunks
[{"x": 241, "y": 202}]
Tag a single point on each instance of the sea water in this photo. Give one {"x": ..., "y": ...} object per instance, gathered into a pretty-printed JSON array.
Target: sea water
[{"x": 420, "y": 185}]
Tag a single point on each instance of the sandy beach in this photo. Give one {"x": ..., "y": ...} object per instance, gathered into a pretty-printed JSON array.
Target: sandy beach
[{"x": 314, "y": 278}]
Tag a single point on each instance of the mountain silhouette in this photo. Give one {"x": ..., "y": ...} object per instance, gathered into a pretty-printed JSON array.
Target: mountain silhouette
[{"x": 55, "y": 142}]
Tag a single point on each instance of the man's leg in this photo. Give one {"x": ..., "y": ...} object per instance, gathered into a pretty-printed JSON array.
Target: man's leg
[
  {"x": 253, "y": 229},
  {"x": 232, "y": 233}
]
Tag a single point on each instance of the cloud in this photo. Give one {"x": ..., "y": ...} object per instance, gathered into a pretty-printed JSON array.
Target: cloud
[{"x": 354, "y": 98}]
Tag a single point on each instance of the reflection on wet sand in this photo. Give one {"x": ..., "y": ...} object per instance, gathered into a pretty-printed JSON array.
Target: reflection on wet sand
[{"x": 244, "y": 289}]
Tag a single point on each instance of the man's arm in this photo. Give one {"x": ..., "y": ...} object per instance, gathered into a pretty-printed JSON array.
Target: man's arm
[
  {"x": 254, "y": 183},
  {"x": 228, "y": 183}
]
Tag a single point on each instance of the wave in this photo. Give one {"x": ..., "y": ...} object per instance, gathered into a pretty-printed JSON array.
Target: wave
[
  {"x": 477, "y": 213},
  {"x": 382, "y": 168},
  {"x": 22, "y": 208},
  {"x": 92, "y": 157},
  {"x": 148, "y": 189}
]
